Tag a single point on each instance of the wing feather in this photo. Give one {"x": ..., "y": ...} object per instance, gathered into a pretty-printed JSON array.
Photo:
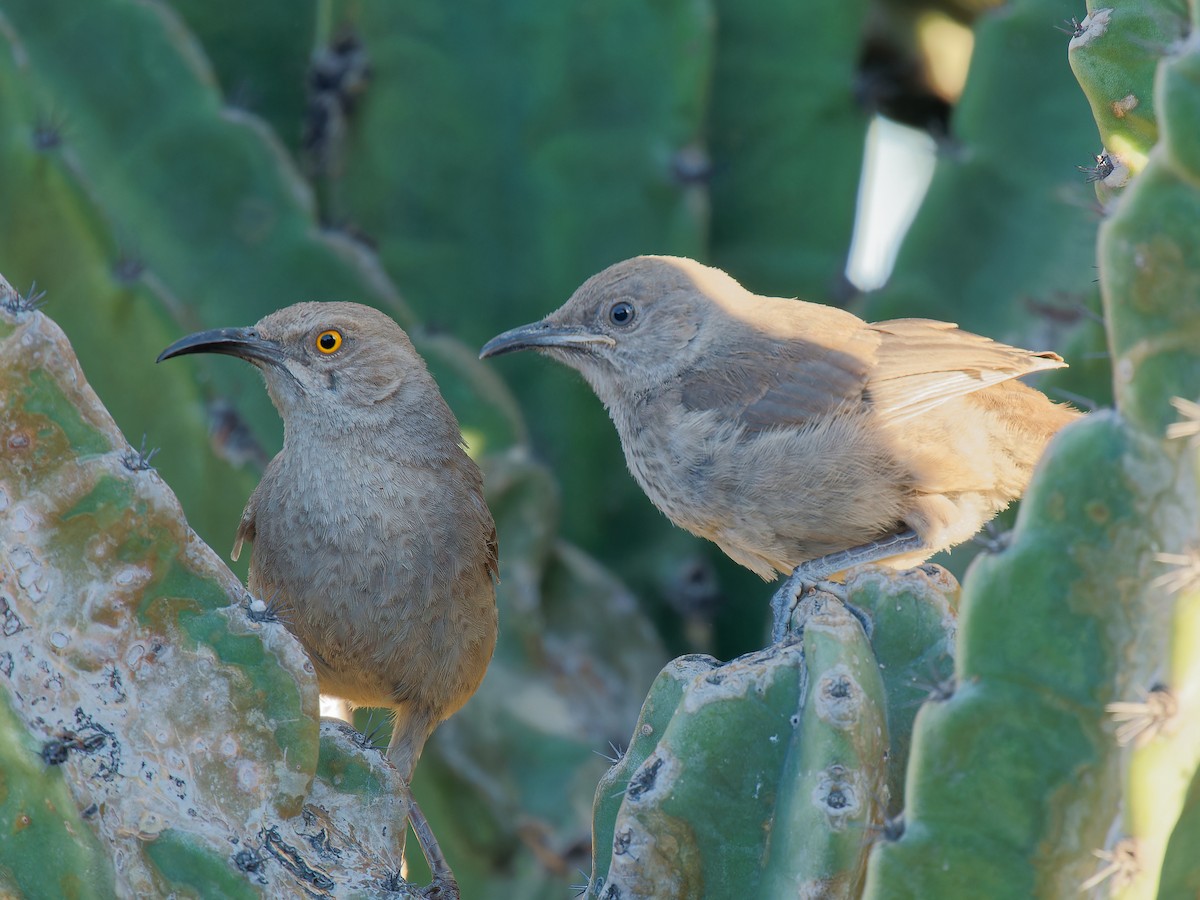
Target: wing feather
[
  {"x": 903, "y": 368},
  {"x": 805, "y": 362},
  {"x": 923, "y": 363}
]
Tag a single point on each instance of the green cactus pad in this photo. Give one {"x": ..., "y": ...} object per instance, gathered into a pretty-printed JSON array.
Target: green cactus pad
[
  {"x": 766, "y": 776},
  {"x": 46, "y": 848},
  {"x": 659, "y": 707},
  {"x": 1114, "y": 54},
  {"x": 1180, "y": 871},
  {"x": 912, "y": 631},
  {"x": 832, "y": 793},
  {"x": 1025, "y": 727}
]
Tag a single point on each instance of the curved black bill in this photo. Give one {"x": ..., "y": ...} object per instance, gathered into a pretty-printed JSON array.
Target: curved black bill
[
  {"x": 241, "y": 342},
  {"x": 543, "y": 334}
]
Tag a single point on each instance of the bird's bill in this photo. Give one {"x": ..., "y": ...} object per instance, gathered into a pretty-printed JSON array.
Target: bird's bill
[
  {"x": 243, "y": 343},
  {"x": 542, "y": 335}
]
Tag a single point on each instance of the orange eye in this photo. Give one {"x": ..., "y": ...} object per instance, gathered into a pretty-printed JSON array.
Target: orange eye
[{"x": 329, "y": 341}]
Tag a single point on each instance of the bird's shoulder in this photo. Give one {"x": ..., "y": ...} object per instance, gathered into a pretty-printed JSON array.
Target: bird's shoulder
[
  {"x": 247, "y": 529},
  {"x": 787, "y": 362},
  {"x": 783, "y": 363}
]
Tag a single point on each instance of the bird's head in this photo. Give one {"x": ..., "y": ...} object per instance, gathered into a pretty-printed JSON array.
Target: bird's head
[
  {"x": 629, "y": 327},
  {"x": 336, "y": 361}
]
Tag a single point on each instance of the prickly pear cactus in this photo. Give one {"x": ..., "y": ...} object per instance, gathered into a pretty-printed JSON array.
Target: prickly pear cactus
[
  {"x": 149, "y": 712},
  {"x": 1079, "y": 640},
  {"x": 769, "y": 775}
]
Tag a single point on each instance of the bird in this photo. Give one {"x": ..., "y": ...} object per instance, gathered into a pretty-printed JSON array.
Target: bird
[
  {"x": 370, "y": 534},
  {"x": 796, "y": 436}
]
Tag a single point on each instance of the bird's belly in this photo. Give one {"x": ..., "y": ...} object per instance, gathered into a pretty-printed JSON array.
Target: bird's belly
[
  {"x": 387, "y": 607},
  {"x": 337, "y": 621},
  {"x": 380, "y": 648},
  {"x": 773, "y": 499}
]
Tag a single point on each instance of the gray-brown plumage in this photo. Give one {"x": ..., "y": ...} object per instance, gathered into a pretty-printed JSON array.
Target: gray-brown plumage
[
  {"x": 786, "y": 431},
  {"x": 370, "y": 531}
]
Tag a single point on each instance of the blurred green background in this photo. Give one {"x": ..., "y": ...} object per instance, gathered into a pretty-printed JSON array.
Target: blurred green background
[{"x": 169, "y": 166}]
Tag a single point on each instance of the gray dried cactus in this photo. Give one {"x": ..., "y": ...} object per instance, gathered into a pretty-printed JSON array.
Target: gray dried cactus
[{"x": 159, "y": 733}]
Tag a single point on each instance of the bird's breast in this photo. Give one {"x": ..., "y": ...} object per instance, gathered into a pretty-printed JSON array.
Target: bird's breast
[
  {"x": 362, "y": 523},
  {"x": 388, "y": 559},
  {"x": 677, "y": 457}
]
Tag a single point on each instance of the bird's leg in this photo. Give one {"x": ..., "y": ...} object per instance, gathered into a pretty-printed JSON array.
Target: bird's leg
[
  {"x": 810, "y": 574},
  {"x": 443, "y": 885}
]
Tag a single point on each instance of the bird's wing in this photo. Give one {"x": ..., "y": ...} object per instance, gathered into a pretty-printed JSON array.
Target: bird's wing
[
  {"x": 493, "y": 556},
  {"x": 772, "y": 380},
  {"x": 923, "y": 363},
  {"x": 492, "y": 560},
  {"x": 823, "y": 362},
  {"x": 245, "y": 529}
]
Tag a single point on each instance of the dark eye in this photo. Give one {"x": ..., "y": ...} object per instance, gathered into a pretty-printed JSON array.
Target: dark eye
[
  {"x": 621, "y": 313},
  {"x": 329, "y": 341}
]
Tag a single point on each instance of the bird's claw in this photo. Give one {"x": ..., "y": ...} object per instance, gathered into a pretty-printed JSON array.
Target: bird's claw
[
  {"x": 441, "y": 888},
  {"x": 783, "y": 604}
]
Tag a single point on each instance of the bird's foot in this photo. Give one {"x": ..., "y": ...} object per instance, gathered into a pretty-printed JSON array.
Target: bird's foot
[
  {"x": 445, "y": 888},
  {"x": 786, "y": 599},
  {"x": 816, "y": 573}
]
